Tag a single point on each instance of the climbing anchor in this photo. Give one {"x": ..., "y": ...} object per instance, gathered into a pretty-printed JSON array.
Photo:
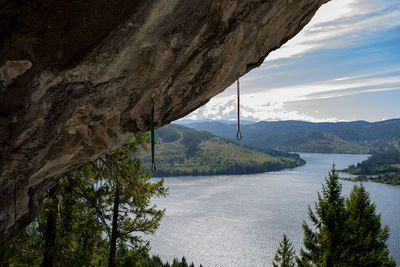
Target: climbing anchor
[
  {"x": 238, "y": 133},
  {"x": 153, "y": 163}
]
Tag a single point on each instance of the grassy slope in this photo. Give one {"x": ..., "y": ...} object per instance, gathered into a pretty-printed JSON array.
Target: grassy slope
[{"x": 184, "y": 151}]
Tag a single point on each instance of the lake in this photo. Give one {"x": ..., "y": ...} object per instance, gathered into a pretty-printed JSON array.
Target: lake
[{"x": 238, "y": 220}]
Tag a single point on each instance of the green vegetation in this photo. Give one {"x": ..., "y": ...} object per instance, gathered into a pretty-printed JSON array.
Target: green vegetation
[
  {"x": 184, "y": 151},
  {"x": 358, "y": 137},
  {"x": 97, "y": 215},
  {"x": 285, "y": 255},
  {"x": 326, "y": 245},
  {"x": 344, "y": 231},
  {"x": 382, "y": 168},
  {"x": 155, "y": 261}
]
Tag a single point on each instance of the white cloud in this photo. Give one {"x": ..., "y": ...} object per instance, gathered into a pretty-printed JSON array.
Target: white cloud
[
  {"x": 269, "y": 104},
  {"x": 336, "y": 19},
  {"x": 272, "y": 111}
]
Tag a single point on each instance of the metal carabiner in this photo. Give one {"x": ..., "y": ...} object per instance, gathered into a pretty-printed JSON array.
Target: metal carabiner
[{"x": 239, "y": 136}]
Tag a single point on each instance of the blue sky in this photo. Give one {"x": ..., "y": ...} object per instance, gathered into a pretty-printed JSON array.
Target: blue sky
[{"x": 344, "y": 65}]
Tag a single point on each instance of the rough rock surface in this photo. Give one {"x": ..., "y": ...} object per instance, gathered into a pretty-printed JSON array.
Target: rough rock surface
[{"x": 78, "y": 77}]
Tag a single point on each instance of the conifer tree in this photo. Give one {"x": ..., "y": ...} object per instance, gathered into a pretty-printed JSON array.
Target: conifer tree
[
  {"x": 27, "y": 249},
  {"x": 175, "y": 263},
  {"x": 347, "y": 232},
  {"x": 88, "y": 220},
  {"x": 81, "y": 238},
  {"x": 366, "y": 239},
  {"x": 285, "y": 255},
  {"x": 324, "y": 246},
  {"x": 120, "y": 192},
  {"x": 183, "y": 263}
]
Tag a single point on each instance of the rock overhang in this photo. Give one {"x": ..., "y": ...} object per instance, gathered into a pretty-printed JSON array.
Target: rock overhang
[{"x": 77, "y": 78}]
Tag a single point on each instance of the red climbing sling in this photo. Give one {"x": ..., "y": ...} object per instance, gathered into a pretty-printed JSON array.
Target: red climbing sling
[{"x": 238, "y": 134}]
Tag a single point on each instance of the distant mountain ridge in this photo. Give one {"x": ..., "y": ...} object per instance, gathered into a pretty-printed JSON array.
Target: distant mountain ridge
[
  {"x": 189, "y": 121},
  {"x": 302, "y": 136},
  {"x": 185, "y": 151}
]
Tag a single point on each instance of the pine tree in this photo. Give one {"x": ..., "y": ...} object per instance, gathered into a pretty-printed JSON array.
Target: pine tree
[
  {"x": 347, "y": 232},
  {"x": 285, "y": 255},
  {"x": 28, "y": 248},
  {"x": 81, "y": 236},
  {"x": 120, "y": 192},
  {"x": 88, "y": 217},
  {"x": 175, "y": 263},
  {"x": 78, "y": 235},
  {"x": 183, "y": 263},
  {"x": 324, "y": 246},
  {"x": 366, "y": 239}
]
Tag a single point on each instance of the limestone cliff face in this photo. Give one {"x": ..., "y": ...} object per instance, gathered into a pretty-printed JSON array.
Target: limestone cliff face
[{"x": 78, "y": 77}]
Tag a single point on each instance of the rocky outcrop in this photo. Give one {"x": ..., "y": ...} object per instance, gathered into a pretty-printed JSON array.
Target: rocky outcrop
[{"x": 78, "y": 77}]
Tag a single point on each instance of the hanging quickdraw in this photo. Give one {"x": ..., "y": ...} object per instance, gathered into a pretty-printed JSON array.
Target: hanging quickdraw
[
  {"x": 238, "y": 134},
  {"x": 153, "y": 163}
]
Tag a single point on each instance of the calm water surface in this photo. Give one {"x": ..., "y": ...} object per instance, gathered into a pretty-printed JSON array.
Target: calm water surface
[{"x": 238, "y": 220}]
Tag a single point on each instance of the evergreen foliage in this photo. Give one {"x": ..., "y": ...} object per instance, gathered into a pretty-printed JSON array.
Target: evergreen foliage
[
  {"x": 120, "y": 192},
  {"x": 87, "y": 219},
  {"x": 27, "y": 249},
  {"x": 344, "y": 232},
  {"x": 366, "y": 239},
  {"x": 80, "y": 233},
  {"x": 325, "y": 245},
  {"x": 285, "y": 255}
]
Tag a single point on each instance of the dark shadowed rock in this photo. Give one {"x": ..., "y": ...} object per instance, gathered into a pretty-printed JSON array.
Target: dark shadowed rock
[{"x": 78, "y": 77}]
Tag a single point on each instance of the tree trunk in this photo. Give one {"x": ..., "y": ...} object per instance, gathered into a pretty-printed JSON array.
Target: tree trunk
[
  {"x": 51, "y": 229},
  {"x": 114, "y": 231}
]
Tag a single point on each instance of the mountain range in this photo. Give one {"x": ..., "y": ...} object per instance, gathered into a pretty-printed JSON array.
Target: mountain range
[{"x": 300, "y": 136}]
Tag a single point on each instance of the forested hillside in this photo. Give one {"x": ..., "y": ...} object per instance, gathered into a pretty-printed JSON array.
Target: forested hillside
[
  {"x": 301, "y": 136},
  {"x": 382, "y": 167},
  {"x": 184, "y": 151}
]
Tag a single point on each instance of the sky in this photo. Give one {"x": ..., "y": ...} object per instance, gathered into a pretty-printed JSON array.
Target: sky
[{"x": 343, "y": 66}]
